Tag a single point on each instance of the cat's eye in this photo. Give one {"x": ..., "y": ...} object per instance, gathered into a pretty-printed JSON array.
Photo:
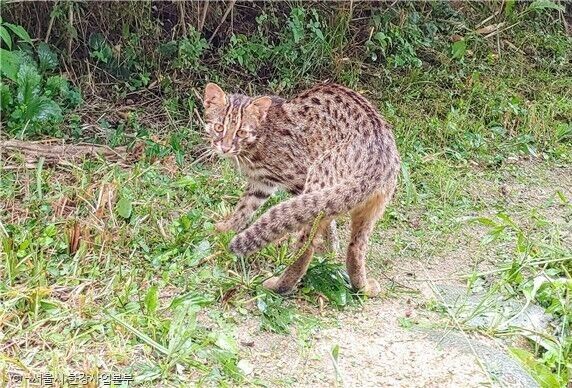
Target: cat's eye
[
  {"x": 241, "y": 133},
  {"x": 218, "y": 128}
]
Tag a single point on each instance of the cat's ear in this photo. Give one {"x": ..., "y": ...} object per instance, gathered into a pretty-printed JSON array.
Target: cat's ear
[
  {"x": 214, "y": 96},
  {"x": 259, "y": 107}
]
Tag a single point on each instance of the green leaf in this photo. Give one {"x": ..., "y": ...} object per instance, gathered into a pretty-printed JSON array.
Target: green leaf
[
  {"x": 276, "y": 316},
  {"x": 458, "y": 49},
  {"x": 530, "y": 293},
  {"x": 562, "y": 197},
  {"x": 539, "y": 5},
  {"x": 28, "y": 81},
  {"x": 151, "y": 299},
  {"x": 202, "y": 250},
  {"x": 10, "y": 63},
  {"x": 5, "y": 35},
  {"x": 32, "y": 106},
  {"x": 509, "y": 7},
  {"x": 139, "y": 334},
  {"x": 57, "y": 86},
  {"x": 124, "y": 207},
  {"x": 336, "y": 352},
  {"x": 46, "y": 109},
  {"x": 182, "y": 327},
  {"x": 5, "y": 97},
  {"x": 20, "y": 32},
  {"x": 48, "y": 59},
  {"x": 330, "y": 280},
  {"x": 540, "y": 372},
  {"x": 486, "y": 221}
]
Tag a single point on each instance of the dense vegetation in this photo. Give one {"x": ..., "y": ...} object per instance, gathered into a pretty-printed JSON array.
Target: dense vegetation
[{"x": 471, "y": 89}]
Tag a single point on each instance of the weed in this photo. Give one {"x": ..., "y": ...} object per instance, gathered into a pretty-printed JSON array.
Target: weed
[
  {"x": 329, "y": 280},
  {"x": 29, "y": 102},
  {"x": 539, "y": 272}
]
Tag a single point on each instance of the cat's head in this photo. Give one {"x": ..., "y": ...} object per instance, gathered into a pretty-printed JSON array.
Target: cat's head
[{"x": 232, "y": 120}]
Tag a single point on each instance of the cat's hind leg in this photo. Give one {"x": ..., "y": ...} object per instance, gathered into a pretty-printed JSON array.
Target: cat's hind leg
[{"x": 363, "y": 220}]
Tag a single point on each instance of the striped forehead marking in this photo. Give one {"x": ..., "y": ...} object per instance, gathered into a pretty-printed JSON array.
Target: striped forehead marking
[{"x": 233, "y": 114}]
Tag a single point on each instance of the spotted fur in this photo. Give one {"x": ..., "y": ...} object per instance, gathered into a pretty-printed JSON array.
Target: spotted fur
[{"x": 328, "y": 147}]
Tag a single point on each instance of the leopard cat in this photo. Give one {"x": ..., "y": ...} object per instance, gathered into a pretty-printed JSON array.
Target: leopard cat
[{"x": 329, "y": 147}]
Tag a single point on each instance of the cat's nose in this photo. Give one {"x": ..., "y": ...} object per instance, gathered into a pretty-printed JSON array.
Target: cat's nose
[{"x": 225, "y": 148}]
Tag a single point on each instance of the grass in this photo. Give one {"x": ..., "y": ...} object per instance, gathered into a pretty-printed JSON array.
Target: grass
[{"x": 104, "y": 269}]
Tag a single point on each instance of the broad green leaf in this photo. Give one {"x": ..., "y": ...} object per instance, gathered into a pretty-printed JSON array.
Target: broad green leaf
[
  {"x": 182, "y": 327},
  {"x": 458, "y": 49},
  {"x": 124, "y": 207},
  {"x": 538, "y": 5},
  {"x": 34, "y": 107},
  {"x": 329, "y": 280},
  {"x": 20, "y": 32},
  {"x": 151, "y": 299},
  {"x": 48, "y": 59},
  {"x": 5, "y": 35},
  {"x": 5, "y": 97},
  {"x": 540, "y": 372},
  {"x": 202, "y": 250},
  {"x": 10, "y": 63},
  {"x": 28, "y": 81},
  {"x": 47, "y": 109}
]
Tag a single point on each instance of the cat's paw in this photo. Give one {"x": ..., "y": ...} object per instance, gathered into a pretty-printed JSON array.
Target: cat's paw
[
  {"x": 372, "y": 288},
  {"x": 274, "y": 284}
]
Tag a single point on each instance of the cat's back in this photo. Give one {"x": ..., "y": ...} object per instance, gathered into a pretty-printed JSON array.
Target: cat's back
[{"x": 333, "y": 106}]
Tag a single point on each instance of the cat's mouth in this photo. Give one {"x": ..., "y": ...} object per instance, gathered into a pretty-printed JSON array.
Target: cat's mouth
[{"x": 225, "y": 152}]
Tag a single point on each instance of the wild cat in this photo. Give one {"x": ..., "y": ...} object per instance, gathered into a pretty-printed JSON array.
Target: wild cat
[{"x": 328, "y": 147}]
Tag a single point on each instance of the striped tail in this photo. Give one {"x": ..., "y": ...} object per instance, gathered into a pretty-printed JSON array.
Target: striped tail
[{"x": 293, "y": 214}]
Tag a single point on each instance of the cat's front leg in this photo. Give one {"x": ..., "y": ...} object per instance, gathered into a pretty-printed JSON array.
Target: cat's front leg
[{"x": 256, "y": 194}]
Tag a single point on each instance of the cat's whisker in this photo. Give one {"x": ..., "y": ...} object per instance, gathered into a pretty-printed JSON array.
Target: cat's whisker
[
  {"x": 248, "y": 159},
  {"x": 238, "y": 165},
  {"x": 202, "y": 157}
]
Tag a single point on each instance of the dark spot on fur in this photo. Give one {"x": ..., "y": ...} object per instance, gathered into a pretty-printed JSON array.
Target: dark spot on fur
[
  {"x": 259, "y": 194},
  {"x": 271, "y": 178},
  {"x": 299, "y": 218}
]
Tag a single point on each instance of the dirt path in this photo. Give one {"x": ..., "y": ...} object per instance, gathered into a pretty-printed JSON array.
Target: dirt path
[{"x": 376, "y": 346}]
